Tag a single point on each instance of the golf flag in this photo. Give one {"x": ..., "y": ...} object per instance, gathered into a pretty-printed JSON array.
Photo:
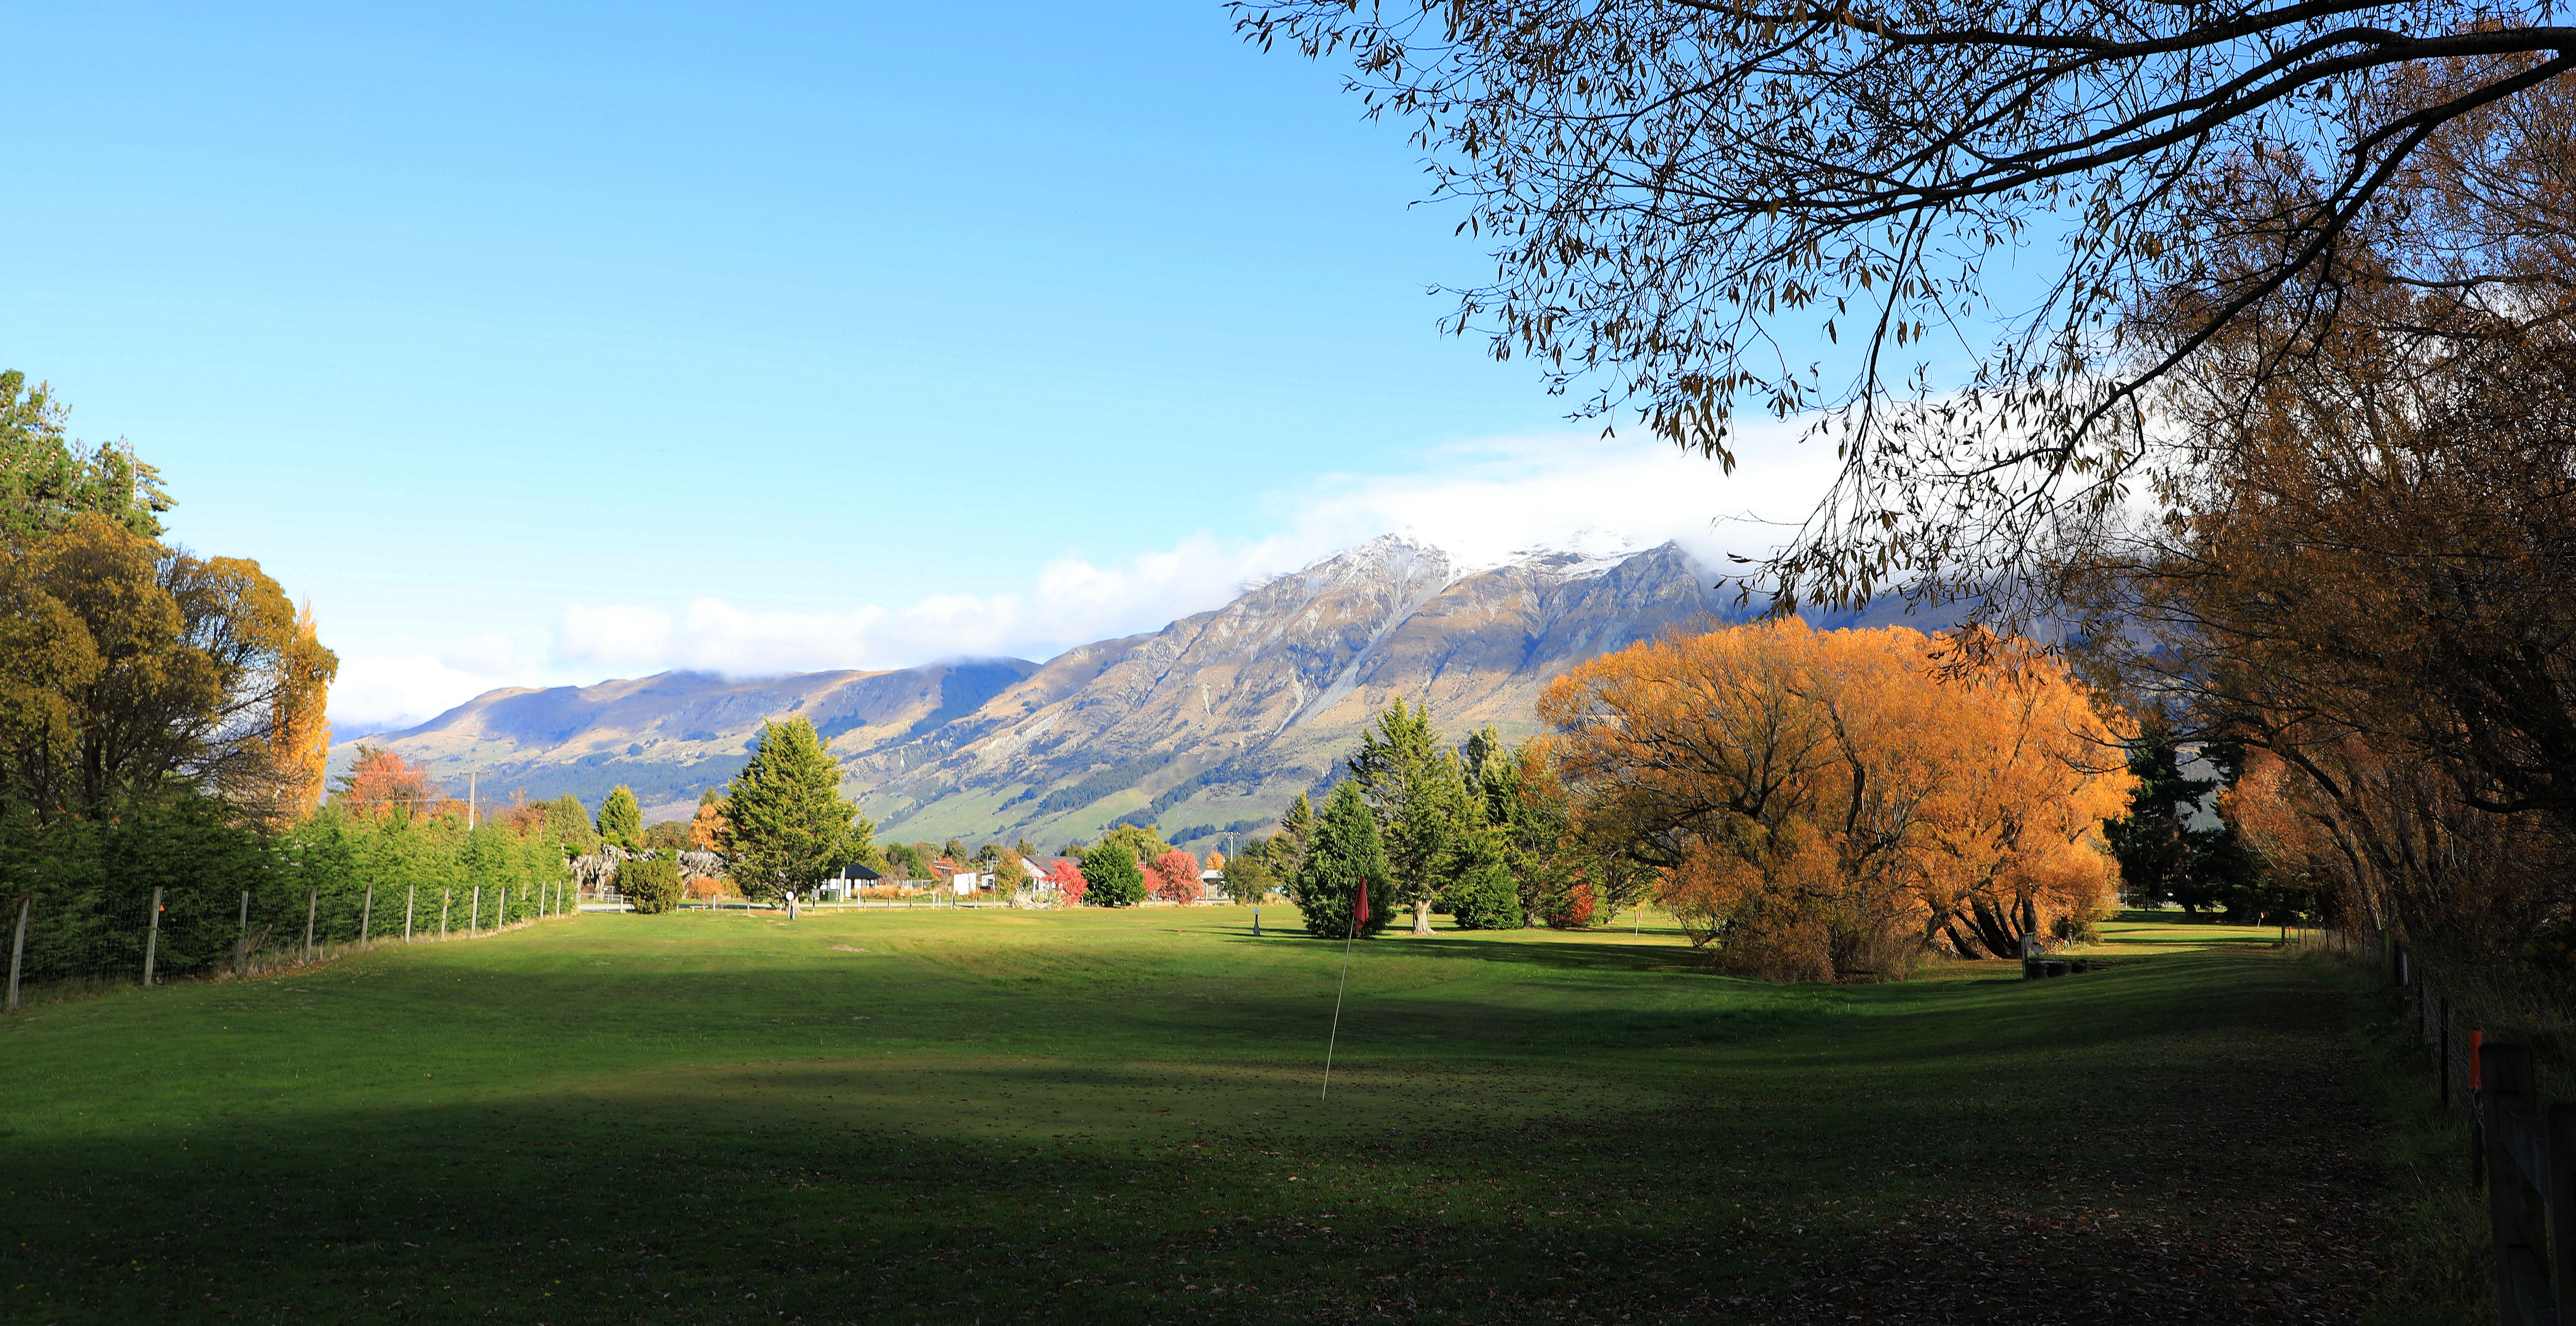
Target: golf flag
[{"x": 1360, "y": 917}]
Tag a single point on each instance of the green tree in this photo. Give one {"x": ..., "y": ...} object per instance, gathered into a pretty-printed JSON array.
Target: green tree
[
  {"x": 651, "y": 883},
  {"x": 1248, "y": 876},
  {"x": 1482, "y": 894},
  {"x": 1111, "y": 872},
  {"x": 621, "y": 820},
  {"x": 668, "y": 835},
  {"x": 46, "y": 479},
  {"x": 1345, "y": 851},
  {"x": 1414, "y": 786},
  {"x": 568, "y": 824},
  {"x": 1144, "y": 840},
  {"x": 786, "y": 824},
  {"x": 1296, "y": 829}
]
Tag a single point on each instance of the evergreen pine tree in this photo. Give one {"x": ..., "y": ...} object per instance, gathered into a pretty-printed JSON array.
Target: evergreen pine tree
[
  {"x": 1296, "y": 829},
  {"x": 1113, "y": 877},
  {"x": 786, "y": 825},
  {"x": 1345, "y": 850},
  {"x": 1482, "y": 894},
  {"x": 1415, "y": 788},
  {"x": 621, "y": 819}
]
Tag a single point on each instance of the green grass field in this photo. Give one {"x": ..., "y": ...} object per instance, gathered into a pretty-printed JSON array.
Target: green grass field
[{"x": 989, "y": 1116}]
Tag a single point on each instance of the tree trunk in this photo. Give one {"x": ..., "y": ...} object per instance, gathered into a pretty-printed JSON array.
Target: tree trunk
[{"x": 1422, "y": 916}]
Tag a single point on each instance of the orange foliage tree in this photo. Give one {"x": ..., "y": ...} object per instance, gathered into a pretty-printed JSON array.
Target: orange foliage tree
[
  {"x": 1825, "y": 805},
  {"x": 1174, "y": 877},
  {"x": 382, "y": 782}
]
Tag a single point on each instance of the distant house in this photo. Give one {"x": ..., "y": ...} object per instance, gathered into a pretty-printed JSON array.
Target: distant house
[{"x": 842, "y": 883}]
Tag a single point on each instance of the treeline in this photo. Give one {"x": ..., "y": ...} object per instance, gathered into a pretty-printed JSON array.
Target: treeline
[{"x": 162, "y": 727}]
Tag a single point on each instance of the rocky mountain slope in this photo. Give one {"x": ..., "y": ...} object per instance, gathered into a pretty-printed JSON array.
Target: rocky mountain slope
[{"x": 1217, "y": 719}]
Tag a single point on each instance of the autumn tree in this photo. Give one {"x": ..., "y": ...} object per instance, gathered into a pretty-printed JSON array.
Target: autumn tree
[
  {"x": 786, "y": 825},
  {"x": 382, "y": 782},
  {"x": 621, "y": 818},
  {"x": 1345, "y": 852},
  {"x": 1066, "y": 878},
  {"x": 1822, "y": 805},
  {"x": 299, "y": 740},
  {"x": 1111, "y": 876},
  {"x": 128, "y": 669},
  {"x": 1174, "y": 877},
  {"x": 706, "y": 828}
]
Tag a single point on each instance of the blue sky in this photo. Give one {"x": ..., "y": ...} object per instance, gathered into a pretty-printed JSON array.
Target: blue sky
[{"x": 547, "y": 344}]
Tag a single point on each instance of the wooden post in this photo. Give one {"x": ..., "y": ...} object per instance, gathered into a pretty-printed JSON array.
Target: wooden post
[
  {"x": 2442, "y": 1077},
  {"x": 367, "y": 916},
  {"x": 2504, "y": 1071},
  {"x": 474, "y": 919},
  {"x": 241, "y": 945},
  {"x": 18, "y": 946},
  {"x": 411, "y": 894},
  {"x": 312, "y": 905},
  {"x": 446, "y": 900},
  {"x": 2562, "y": 1207},
  {"x": 152, "y": 938}
]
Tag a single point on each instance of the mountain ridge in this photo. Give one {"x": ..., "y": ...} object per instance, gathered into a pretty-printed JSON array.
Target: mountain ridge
[{"x": 1218, "y": 718}]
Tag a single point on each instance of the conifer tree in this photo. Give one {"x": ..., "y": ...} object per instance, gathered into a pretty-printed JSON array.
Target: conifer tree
[
  {"x": 1345, "y": 850},
  {"x": 621, "y": 819},
  {"x": 1415, "y": 788},
  {"x": 1482, "y": 893},
  {"x": 1296, "y": 829},
  {"x": 786, "y": 825}
]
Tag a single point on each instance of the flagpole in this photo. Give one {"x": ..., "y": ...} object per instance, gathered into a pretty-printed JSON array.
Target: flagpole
[{"x": 1337, "y": 994}]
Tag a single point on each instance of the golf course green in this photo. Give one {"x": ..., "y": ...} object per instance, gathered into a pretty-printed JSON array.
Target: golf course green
[{"x": 1117, "y": 1116}]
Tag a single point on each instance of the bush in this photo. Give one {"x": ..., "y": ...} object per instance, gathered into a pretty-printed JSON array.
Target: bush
[{"x": 651, "y": 883}]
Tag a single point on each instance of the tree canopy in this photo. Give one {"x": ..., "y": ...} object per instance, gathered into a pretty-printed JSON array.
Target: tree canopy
[{"x": 1345, "y": 850}]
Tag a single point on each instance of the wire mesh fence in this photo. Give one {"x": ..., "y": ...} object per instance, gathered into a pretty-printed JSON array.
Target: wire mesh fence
[{"x": 66, "y": 943}]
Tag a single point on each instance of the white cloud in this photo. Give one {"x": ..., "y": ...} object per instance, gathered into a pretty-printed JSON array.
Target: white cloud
[{"x": 1481, "y": 501}]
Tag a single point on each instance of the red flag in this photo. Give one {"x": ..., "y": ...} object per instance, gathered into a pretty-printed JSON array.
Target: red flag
[{"x": 1361, "y": 916}]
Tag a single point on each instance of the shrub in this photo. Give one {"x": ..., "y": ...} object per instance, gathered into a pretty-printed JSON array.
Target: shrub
[{"x": 651, "y": 883}]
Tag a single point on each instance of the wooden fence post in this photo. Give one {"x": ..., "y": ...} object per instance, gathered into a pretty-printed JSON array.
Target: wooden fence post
[
  {"x": 474, "y": 918},
  {"x": 411, "y": 892},
  {"x": 446, "y": 900},
  {"x": 241, "y": 942},
  {"x": 312, "y": 905},
  {"x": 152, "y": 938},
  {"x": 2562, "y": 1207},
  {"x": 2504, "y": 1073},
  {"x": 18, "y": 946},
  {"x": 367, "y": 916}
]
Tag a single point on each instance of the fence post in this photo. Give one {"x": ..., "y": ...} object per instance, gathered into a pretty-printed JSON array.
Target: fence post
[
  {"x": 474, "y": 918},
  {"x": 367, "y": 916},
  {"x": 2562, "y": 1207},
  {"x": 2442, "y": 1078},
  {"x": 18, "y": 946},
  {"x": 446, "y": 900},
  {"x": 2505, "y": 1070},
  {"x": 152, "y": 939},
  {"x": 411, "y": 892},
  {"x": 241, "y": 942},
  {"x": 312, "y": 905}
]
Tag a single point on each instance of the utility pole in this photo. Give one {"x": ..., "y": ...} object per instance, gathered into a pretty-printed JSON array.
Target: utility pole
[{"x": 469, "y": 801}]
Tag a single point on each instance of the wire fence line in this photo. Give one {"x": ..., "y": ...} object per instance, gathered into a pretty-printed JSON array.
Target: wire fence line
[{"x": 59, "y": 946}]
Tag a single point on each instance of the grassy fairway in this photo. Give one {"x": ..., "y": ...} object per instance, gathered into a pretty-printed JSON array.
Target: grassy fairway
[{"x": 997, "y": 1115}]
